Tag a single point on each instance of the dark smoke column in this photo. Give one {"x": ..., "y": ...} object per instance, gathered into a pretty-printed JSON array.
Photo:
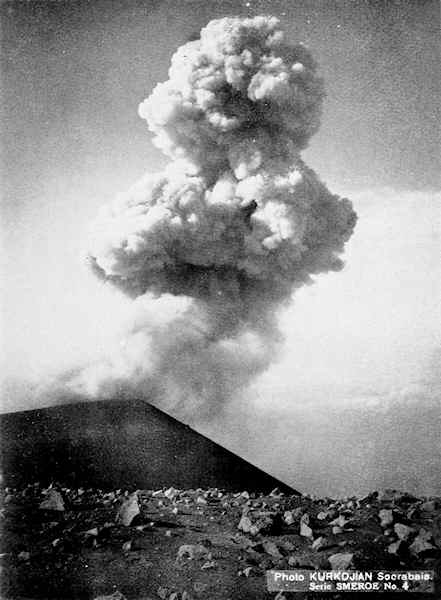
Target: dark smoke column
[{"x": 236, "y": 221}]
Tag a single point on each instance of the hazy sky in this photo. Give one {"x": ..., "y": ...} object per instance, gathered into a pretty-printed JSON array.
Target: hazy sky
[{"x": 73, "y": 75}]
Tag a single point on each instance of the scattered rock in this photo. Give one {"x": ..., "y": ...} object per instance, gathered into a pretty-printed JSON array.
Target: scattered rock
[
  {"x": 171, "y": 493},
  {"x": 305, "y": 529},
  {"x": 368, "y": 498},
  {"x": 191, "y": 551},
  {"x": 403, "y": 531},
  {"x": 412, "y": 512},
  {"x": 396, "y": 497},
  {"x": 53, "y": 501},
  {"x": 115, "y": 596},
  {"x": 23, "y": 555},
  {"x": 437, "y": 531},
  {"x": 297, "y": 512},
  {"x": 318, "y": 543},
  {"x": 307, "y": 559},
  {"x": 396, "y": 547},
  {"x": 386, "y": 517},
  {"x": 288, "y": 517},
  {"x": 340, "y": 521},
  {"x": 409, "y": 531},
  {"x": 128, "y": 510},
  {"x": 266, "y": 563},
  {"x": 245, "y": 524},
  {"x": 387, "y": 495},
  {"x": 428, "y": 506},
  {"x": 271, "y": 548},
  {"x": 262, "y": 524},
  {"x": 421, "y": 543},
  {"x": 340, "y": 561}
]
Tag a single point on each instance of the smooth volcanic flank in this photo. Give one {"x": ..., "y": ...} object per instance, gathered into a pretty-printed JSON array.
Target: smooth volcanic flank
[{"x": 119, "y": 444}]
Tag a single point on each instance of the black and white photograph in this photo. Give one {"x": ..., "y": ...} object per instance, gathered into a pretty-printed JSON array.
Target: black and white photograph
[{"x": 220, "y": 308}]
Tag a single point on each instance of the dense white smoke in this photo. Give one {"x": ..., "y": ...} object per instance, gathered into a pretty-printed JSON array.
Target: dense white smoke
[{"x": 212, "y": 246}]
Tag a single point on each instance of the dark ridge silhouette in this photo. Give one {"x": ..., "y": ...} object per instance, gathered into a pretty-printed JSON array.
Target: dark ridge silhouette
[{"x": 119, "y": 444}]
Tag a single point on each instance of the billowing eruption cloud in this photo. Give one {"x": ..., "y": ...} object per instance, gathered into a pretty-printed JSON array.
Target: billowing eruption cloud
[{"x": 212, "y": 246}]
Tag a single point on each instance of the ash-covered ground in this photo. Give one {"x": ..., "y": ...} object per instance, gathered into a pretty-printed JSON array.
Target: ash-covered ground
[{"x": 169, "y": 544}]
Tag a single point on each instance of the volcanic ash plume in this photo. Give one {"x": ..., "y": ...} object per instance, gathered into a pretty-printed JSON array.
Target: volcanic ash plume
[{"x": 212, "y": 246}]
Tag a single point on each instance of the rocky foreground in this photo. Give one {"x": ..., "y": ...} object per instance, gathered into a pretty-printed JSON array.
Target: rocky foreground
[{"x": 61, "y": 543}]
